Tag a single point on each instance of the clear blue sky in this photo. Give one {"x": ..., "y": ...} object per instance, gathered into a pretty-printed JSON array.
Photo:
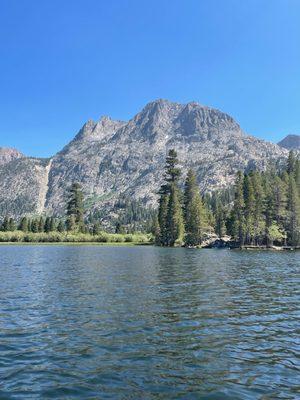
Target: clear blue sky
[{"x": 64, "y": 62}]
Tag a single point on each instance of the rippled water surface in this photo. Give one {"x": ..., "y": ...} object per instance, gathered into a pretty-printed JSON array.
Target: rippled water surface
[{"x": 95, "y": 322}]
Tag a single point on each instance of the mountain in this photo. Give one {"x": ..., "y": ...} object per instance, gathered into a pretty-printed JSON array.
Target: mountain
[
  {"x": 290, "y": 142},
  {"x": 8, "y": 154},
  {"x": 116, "y": 158}
]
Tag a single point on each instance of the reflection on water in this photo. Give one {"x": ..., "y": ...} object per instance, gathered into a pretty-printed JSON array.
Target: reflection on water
[{"x": 92, "y": 322}]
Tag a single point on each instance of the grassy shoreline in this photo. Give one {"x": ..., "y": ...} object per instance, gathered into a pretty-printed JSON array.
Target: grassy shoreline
[{"x": 19, "y": 237}]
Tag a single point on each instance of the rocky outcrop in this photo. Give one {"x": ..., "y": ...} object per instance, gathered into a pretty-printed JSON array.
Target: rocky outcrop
[
  {"x": 112, "y": 158},
  {"x": 8, "y": 154},
  {"x": 290, "y": 142}
]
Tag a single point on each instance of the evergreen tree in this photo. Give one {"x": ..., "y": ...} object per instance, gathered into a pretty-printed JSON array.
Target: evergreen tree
[
  {"x": 249, "y": 205},
  {"x": 291, "y": 163},
  {"x": 220, "y": 220},
  {"x": 61, "y": 226},
  {"x": 41, "y": 224},
  {"x": 161, "y": 237},
  {"x": 71, "y": 223},
  {"x": 12, "y": 225},
  {"x": 35, "y": 226},
  {"x": 96, "y": 228},
  {"x": 175, "y": 225},
  {"x": 170, "y": 202},
  {"x": 258, "y": 215},
  {"x": 75, "y": 206},
  {"x": 23, "y": 225},
  {"x": 193, "y": 211},
  {"x": 47, "y": 226},
  {"x": 52, "y": 224},
  {"x": 238, "y": 210},
  {"x": 5, "y": 225},
  {"x": 293, "y": 212}
]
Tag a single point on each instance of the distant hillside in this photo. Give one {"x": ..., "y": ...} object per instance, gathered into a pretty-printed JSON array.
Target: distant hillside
[{"x": 290, "y": 142}]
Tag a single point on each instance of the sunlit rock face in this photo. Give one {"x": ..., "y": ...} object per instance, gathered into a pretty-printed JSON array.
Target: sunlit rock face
[{"x": 113, "y": 158}]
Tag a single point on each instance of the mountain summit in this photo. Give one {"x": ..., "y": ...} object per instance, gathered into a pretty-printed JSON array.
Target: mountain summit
[
  {"x": 116, "y": 158},
  {"x": 290, "y": 142}
]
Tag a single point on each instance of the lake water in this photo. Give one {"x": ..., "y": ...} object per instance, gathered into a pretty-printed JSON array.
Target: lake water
[{"x": 103, "y": 322}]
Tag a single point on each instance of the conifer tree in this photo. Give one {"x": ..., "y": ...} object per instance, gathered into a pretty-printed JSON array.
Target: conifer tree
[
  {"x": 293, "y": 212},
  {"x": 161, "y": 237},
  {"x": 71, "y": 223},
  {"x": 5, "y": 224},
  {"x": 96, "y": 228},
  {"x": 12, "y": 225},
  {"x": 24, "y": 225},
  {"x": 175, "y": 225},
  {"x": 75, "y": 206},
  {"x": 193, "y": 211},
  {"x": 291, "y": 163},
  {"x": 47, "y": 226},
  {"x": 220, "y": 220},
  {"x": 259, "y": 196},
  {"x": 41, "y": 224},
  {"x": 238, "y": 210},
  {"x": 35, "y": 226},
  {"x": 61, "y": 226},
  {"x": 249, "y": 204},
  {"x": 170, "y": 217}
]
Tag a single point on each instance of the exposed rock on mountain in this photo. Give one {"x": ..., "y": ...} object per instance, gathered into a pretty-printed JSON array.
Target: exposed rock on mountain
[
  {"x": 8, "y": 154},
  {"x": 290, "y": 142},
  {"x": 112, "y": 158}
]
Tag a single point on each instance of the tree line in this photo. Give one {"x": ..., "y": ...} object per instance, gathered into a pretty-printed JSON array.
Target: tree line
[
  {"x": 74, "y": 221},
  {"x": 262, "y": 208}
]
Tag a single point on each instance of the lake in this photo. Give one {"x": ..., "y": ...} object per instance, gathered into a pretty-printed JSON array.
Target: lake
[{"x": 108, "y": 322}]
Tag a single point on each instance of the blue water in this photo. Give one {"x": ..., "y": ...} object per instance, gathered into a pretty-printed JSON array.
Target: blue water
[{"x": 96, "y": 322}]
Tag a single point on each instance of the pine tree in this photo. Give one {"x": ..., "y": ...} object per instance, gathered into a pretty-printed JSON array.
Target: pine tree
[
  {"x": 193, "y": 211},
  {"x": 23, "y": 225},
  {"x": 12, "y": 225},
  {"x": 291, "y": 163},
  {"x": 47, "y": 226},
  {"x": 71, "y": 223},
  {"x": 61, "y": 226},
  {"x": 171, "y": 176},
  {"x": 249, "y": 200},
  {"x": 41, "y": 224},
  {"x": 75, "y": 206},
  {"x": 96, "y": 228},
  {"x": 161, "y": 237},
  {"x": 259, "y": 218},
  {"x": 220, "y": 220},
  {"x": 52, "y": 224},
  {"x": 175, "y": 225},
  {"x": 238, "y": 210},
  {"x": 293, "y": 213},
  {"x": 35, "y": 226},
  {"x": 5, "y": 225}
]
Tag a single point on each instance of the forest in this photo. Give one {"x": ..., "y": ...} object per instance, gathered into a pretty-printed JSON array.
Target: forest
[{"x": 262, "y": 209}]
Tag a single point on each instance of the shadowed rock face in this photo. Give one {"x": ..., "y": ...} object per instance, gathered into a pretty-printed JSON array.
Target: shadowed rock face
[
  {"x": 110, "y": 158},
  {"x": 290, "y": 142},
  {"x": 7, "y": 154}
]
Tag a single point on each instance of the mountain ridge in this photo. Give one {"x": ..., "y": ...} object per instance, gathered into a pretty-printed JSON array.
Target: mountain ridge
[{"x": 112, "y": 158}]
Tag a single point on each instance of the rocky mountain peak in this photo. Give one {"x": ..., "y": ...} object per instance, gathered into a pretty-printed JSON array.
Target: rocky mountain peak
[
  {"x": 290, "y": 142},
  {"x": 115, "y": 158},
  {"x": 8, "y": 154}
]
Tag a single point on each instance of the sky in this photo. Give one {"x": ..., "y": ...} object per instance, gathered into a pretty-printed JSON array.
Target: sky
[{"x": 64, "y": 62}]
